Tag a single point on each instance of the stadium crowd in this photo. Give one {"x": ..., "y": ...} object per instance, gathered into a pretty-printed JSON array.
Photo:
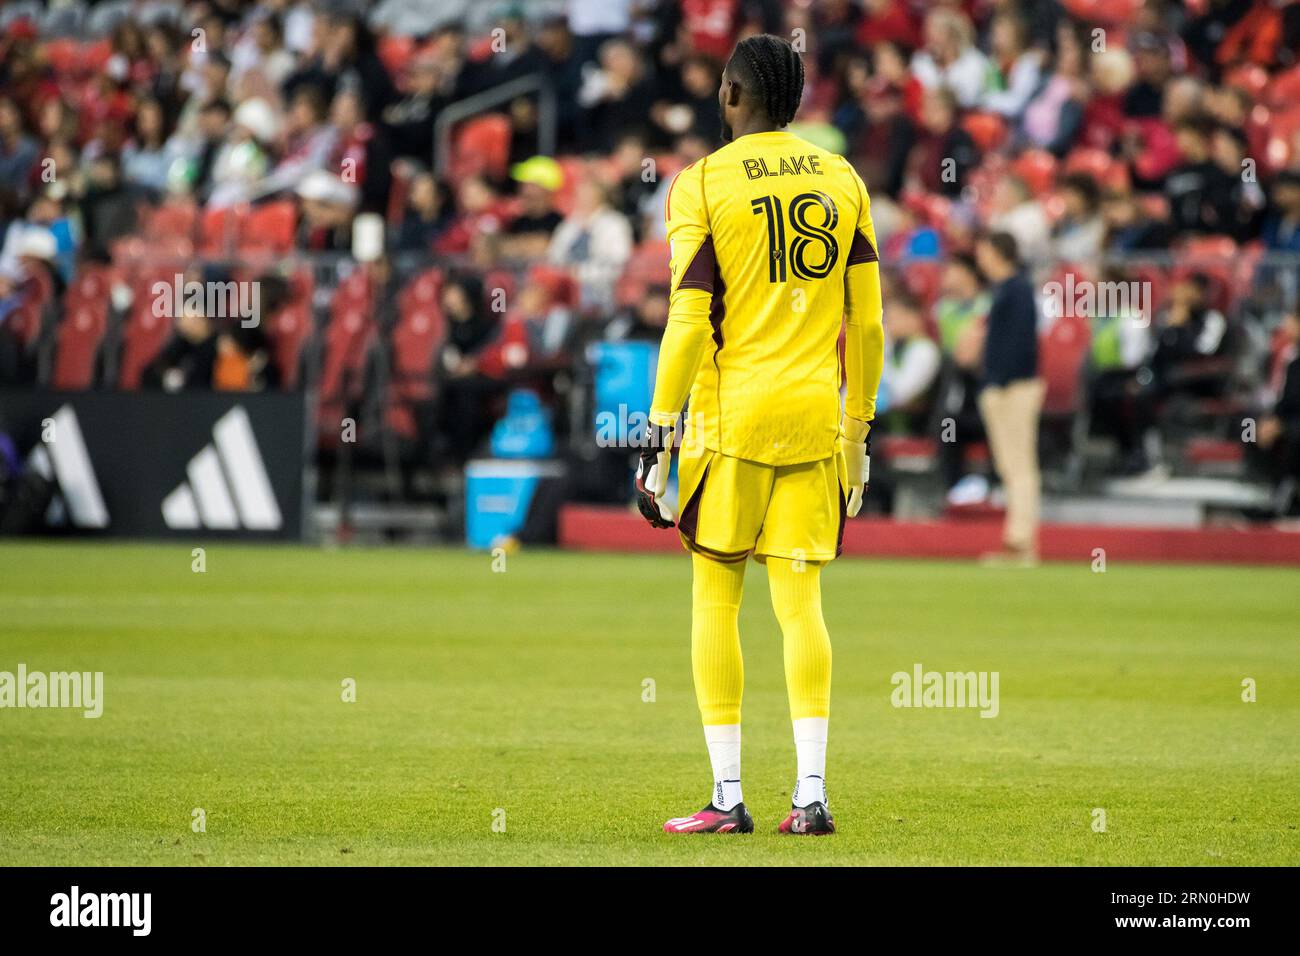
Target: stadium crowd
[{"x": 1154, "y": 143}]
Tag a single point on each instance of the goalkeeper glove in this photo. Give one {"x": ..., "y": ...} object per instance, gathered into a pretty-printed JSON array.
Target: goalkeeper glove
[
  {"x": 855, "y": 439},
  {"x": 652, "y": 475}
]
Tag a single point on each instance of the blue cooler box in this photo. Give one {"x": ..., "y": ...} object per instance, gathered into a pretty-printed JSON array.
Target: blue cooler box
[{"x": 498, "y": 494}]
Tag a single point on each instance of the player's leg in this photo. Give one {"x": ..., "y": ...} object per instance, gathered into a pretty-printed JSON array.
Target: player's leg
[
  {"x": 802, "y": 532},
  {"x": 719, "y": 523},
  {"x": 797, "y": 601},
  {"x": 719, "y": 683}
]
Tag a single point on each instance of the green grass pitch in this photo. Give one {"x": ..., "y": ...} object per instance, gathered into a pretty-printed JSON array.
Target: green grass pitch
[{"x": 516, "y": 697}]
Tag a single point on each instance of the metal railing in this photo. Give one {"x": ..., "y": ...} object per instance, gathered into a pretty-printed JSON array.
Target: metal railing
[{"x": 485, "y": 101}]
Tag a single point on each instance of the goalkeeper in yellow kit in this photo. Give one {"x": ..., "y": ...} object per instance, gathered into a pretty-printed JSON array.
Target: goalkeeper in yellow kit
[{"x": 772, "y": 249}]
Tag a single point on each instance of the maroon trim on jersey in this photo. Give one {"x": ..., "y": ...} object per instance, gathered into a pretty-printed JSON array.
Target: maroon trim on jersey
[
  {"x": 704, "y": 266},
  {"x": 688, "y": 520},
  {"x": 861, "y": 250},
  {"x": 688, "y": 526},
  {"x": 718, "y": 307},
  {"x": 844, "y": 515}
]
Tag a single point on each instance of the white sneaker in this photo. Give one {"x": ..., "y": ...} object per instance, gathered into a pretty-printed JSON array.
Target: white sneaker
[{"x": 971, "y": 490}]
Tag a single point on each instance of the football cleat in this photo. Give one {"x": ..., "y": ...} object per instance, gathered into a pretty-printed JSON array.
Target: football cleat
[
  {"x": 812, "y": 820},
  {"x": 713, "y": 820}
]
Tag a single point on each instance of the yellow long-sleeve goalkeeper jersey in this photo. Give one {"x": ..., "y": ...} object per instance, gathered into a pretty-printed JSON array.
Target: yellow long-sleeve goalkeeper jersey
[{"x": 772, "y": 247}]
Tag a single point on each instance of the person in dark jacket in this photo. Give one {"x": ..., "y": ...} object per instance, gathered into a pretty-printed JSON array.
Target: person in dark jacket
[
  {"x": 1011, "y": 395},
  {"x": 1278, "y": 433}
]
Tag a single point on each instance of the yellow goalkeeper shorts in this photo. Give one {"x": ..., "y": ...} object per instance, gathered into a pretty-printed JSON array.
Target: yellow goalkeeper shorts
[{"x": 734, "y": 507}]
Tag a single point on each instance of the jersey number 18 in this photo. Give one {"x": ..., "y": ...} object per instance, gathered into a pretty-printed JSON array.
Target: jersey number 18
[{"x": 806, "y": 234}]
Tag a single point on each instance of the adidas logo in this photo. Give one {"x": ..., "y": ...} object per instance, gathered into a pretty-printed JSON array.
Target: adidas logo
[
  {"x": 66, "y": 462},
  {"x": 227, "y": 486}
]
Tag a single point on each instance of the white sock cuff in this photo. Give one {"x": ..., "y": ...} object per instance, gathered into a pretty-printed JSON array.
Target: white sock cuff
[
  {"x": 811, "y": 728},
  {"x": 722, "y": 733}
]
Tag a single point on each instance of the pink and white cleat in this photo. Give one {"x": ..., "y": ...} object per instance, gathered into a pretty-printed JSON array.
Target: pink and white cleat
[
  {"x": 812, "y": 820},
  {"x": 713, "y": 820}
]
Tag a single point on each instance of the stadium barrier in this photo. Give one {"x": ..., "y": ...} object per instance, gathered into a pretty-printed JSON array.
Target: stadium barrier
[{"x": 142, "y": 464}]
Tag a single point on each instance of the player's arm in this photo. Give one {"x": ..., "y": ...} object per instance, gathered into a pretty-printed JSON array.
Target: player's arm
[
  {"x": 686, "y": 337},
  {"x": 864, "y": 348}
]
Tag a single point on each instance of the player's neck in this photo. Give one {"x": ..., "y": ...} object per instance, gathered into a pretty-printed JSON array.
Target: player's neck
[{"x": 758, "y": 126}]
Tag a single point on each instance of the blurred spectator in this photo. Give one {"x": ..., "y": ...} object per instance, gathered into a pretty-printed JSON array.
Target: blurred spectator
[
  {"x": 1151, "y": 61},
  {"x": 344, "y": 57},
  {"x": 259, "y": 61},
  {"x": 1279, "y": 431},
  {"x": 1191, "y": 333},
  {"x": 18, "y": 151},
  {"x": 694, "y": 108},
  {"x": 147, "y": 158},
  {"x": 328, "y": 206},
  {"x": 243, "y": 360},
  {"x": 1016, "y": 211},
  {"x": 463, "y": 414},
  {"x": 431, "y": 80},
  {"x": 643, "y": 322},
  {"x": 528, "y": 235},
  {"x": 1080, "y": 231},
  {"x": 960, "y": 312},
  {"x": 1200, "y": 193},
  {"x": 1119, "y": 347},
  {"x": 309, "y": 143},
  {"x": 945, "y": 154},
  {"x": 616, "y": 98},
  {"x": 912, "y": 361},
  {"x": 1054, "y": 113},
  {"x": 950, "y": 60},
  {"x": 108, "y": 208},
  {"x": 1281, "y": 227},
  {"x": 1019, "y": 67},
  {"x": 361, "y": 153},
  {"x": 1128, "y": 228},
  {"x": 595, "y": 240},
  {"x": 244, "y": 157},
  {"x": 427, "y": 214},
  {"x": 1012, "y": 394}
]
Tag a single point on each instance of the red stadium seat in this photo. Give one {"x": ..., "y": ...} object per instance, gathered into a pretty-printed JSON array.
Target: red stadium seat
[
  {"x": 79, "y": 336},
  {"x": 1061, "y": 353},
  {"x": 421, "y": 292},
  {"x": 1037, "y": 167},
  {"x": 172, "y": 219},
  {"x": 143, "y": 333},
  {"x": 221, "y": 229},
  {"x": 414, "y": 349},
  {"x": 93, "y": 57},
  {"x": 25, "y": 323},
  {"x": 1250, "y": 77},
  {"x": 395, "y": 52},
  {"x": 988, "y": 130},
  {"x": 62, "y": 55},
  {"x": 272, "y": 226},
  {"x": 1107, "y": 12},
  {"x": 289, "y": 330},
  {"x": 1283, "y": 130},
  {"x": 347, "y": 343},
  {"x": 143, "y": 337},
  {"x": 481, "y": 145},
  {"x": 1100, "y": 165},
  {"x": 1283, "y": 90}
]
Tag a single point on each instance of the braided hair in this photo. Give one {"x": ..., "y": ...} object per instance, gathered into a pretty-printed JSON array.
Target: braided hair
[{"x": 769, "y": 67}]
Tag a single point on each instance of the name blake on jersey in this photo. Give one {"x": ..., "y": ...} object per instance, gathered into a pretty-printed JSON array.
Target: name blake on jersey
[{"x": 790, "y": 166}]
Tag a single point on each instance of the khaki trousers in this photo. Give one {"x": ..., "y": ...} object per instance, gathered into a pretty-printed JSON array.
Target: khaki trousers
[{"x": 1010, "y": 414}]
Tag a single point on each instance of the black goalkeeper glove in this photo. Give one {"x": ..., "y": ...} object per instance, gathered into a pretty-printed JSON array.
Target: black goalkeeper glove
[{"x": 652, "y": 476}]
